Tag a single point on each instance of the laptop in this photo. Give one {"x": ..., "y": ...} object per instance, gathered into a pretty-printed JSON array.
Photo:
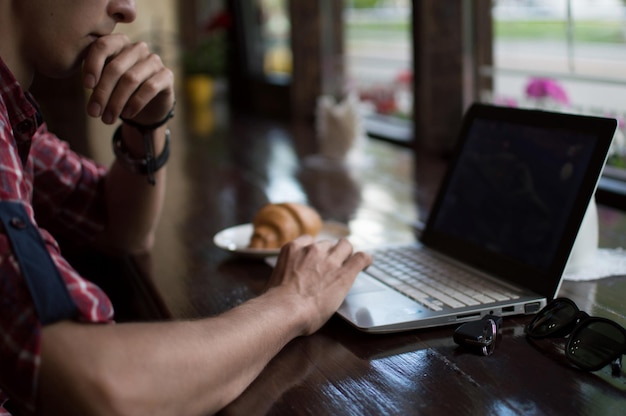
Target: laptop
[{"x": 501, "y": 228}]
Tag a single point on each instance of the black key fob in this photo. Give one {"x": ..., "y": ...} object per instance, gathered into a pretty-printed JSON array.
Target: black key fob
[{"x": 479, "y": 336}]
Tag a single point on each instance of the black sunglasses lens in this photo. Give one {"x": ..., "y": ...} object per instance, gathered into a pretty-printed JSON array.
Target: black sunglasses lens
[
  {"x": 551, "y": 319},
  {"x": 595, "y": 344}
]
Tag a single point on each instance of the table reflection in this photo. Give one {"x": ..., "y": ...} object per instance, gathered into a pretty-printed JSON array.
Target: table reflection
[{"x": 220, "y": 180}]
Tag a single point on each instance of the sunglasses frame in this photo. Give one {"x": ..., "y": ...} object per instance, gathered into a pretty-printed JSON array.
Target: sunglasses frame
[
  {"x": 615, "y": 359},
  {"x": 571, "y": 329}
]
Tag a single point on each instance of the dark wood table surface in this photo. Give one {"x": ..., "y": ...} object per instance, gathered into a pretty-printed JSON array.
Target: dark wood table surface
[{"x": 222, "y": 173}]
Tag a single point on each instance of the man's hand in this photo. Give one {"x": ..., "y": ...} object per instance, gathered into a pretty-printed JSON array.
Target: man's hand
[
  {"x": 319, "y": 275},
  {"x": 127, "y": 80},
  {"x": 159, "y": 368}
]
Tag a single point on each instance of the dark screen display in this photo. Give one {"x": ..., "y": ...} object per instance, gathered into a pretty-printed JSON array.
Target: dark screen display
[{"x": 513, "y": 189}]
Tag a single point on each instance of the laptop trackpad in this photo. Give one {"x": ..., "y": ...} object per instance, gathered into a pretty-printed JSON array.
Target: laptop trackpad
[
  {"x": 365, "y": 283},
  {"x": 377, "y": 308}
]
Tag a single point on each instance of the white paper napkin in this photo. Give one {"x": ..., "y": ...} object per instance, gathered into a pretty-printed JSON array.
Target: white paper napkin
[{"x": 606, "y": 262}]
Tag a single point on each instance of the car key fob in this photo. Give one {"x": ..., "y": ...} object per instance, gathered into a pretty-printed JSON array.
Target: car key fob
[{"x": 479, "y": 336}]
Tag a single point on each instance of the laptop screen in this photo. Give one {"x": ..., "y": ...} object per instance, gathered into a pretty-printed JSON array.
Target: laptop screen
[
  {"x": 517, "y": 190},
  {"x": 513, "y": 188}
]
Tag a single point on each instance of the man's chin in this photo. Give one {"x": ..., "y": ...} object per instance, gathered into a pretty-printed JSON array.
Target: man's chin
[{"x": 63, "y": 72}]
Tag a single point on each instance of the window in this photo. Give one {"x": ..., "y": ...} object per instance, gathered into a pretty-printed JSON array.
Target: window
[
  {"x": 379, "y": 64},
  {"x": 563, "y": 55},
  {"x": 412, "y": 63},
  {"x": 273, "y": 40}
]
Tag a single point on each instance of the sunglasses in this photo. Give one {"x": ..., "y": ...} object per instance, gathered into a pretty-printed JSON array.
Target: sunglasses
[{"x": 592, "y": 342}]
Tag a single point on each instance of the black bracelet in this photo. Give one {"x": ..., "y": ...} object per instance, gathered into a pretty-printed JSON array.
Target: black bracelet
[
  {"x": 143, "y": 128},
  {"x": 146, "y": 165}
]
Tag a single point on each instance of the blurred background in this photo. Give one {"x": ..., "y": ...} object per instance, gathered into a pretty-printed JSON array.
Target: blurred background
[{"x": 414, "y": 65}]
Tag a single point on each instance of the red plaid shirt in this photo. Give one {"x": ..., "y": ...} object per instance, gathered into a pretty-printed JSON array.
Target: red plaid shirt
[{"x": 60, "y": 190}]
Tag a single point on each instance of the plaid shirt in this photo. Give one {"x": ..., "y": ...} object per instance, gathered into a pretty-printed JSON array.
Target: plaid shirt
[{"x": 61, "y": 192}]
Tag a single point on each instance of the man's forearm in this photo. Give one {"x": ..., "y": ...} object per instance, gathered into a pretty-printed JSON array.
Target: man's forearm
[
  {"x": 164, "y": 368},
  {"x": 133, "y": 204}
]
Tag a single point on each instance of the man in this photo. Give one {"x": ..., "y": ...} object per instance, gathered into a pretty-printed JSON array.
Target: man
[{"x": 54, "y": 358}]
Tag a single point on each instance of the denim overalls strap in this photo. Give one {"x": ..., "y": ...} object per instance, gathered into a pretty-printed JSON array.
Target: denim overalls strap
[{"x": 47, "y": 288}]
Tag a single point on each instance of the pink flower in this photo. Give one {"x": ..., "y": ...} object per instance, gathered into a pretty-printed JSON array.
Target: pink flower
[
  {"x": 505, "y": 101},
  {"x": 541, "y": 88}
]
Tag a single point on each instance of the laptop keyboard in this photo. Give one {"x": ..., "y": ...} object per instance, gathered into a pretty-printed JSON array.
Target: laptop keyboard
[{"x": 427, "y": 279}]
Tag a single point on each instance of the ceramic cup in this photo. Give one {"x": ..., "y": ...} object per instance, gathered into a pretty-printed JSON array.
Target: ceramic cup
[{"x": 586, "y": 244}]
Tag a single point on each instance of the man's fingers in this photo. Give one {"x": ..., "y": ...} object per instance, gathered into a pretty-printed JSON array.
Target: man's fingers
[
  {"x": 119, "y": 79},
  {"x": 303, "y": 240},
  {"x": 358, "y": 261},
  {"x": 100, "y": 52},
  {"x": 132, "y": 70},
  {"x": 342, "y": 248},
  {"x": 137, "y": 87},
  {"x": 353, "y": 260},
  {"x": 147, "y": 91},
  {"x": 290, "y": 247},
  {"x": 339, "y": 253}
]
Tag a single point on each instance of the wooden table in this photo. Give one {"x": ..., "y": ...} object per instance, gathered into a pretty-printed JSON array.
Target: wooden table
[{"x": 218, "y": 178}]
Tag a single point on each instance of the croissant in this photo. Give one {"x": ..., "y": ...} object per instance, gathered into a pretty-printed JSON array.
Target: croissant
[{"x": 276, "y": 224}]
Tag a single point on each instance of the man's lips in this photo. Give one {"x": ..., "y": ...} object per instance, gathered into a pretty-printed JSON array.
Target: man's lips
[
  {"x": 93, "y": 37},
  {"x": 83, "y": 55}
]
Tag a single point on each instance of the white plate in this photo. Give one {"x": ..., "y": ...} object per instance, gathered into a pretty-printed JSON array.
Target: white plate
[{"x": 237, "y": 238}]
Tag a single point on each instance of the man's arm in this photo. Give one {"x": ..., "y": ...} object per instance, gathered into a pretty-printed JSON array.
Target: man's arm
[
  {"x": 197, "y": 367},
  {"x": 134, "y": 205},
  {"x": 130, "y": 82}
]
